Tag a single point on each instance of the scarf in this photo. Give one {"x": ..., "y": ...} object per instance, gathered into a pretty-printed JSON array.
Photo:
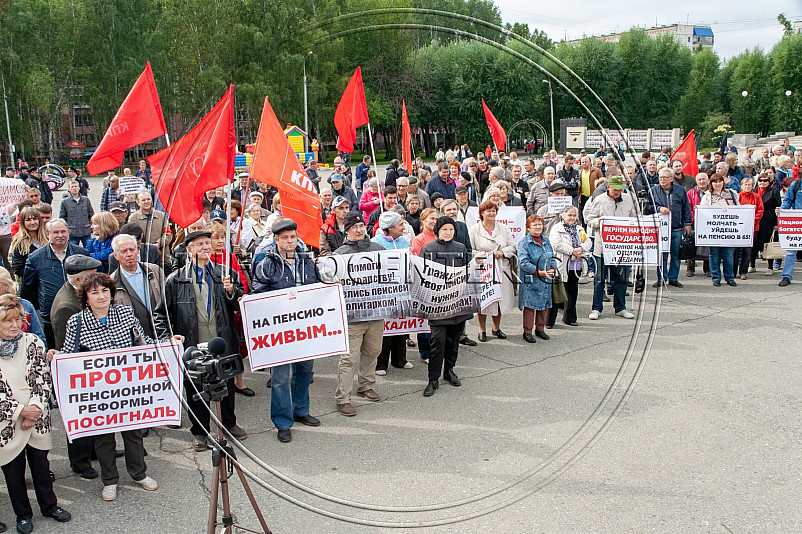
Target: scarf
[
  {"x": 573, "y": 231},
  {"x": 8, "y": 347}
]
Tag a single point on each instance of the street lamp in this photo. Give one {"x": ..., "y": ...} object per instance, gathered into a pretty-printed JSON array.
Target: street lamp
[
  {"x": 551, "y": 101},
  {"x": 8, "y": 123},
  {"x": 743, "y": 111},
  {"x": 306, "y": 112},
  {"x": 787, "y": 98}
]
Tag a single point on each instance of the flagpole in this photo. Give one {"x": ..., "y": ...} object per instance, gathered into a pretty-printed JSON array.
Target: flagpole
[
  {"x": 228, "y": 230},
  {"x": 376, "y": 163}
]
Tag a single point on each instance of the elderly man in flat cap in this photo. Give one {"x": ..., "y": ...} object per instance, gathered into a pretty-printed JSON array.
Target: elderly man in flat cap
[
  {"x": 199, "y": 302},
  {"x": 364, "y": 337},
  {"x": 281, "y": 265}
]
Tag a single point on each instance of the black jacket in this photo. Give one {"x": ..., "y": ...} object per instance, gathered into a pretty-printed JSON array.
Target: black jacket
[
  {"x": 451, "y": 254},
  {"x": 270, "y": 271},
  {"x": 352, "y": 247},
  {"x": 177, "y": 314},
  {"x": 391, "y": 176},
  {"x": 20, "y": 258}
]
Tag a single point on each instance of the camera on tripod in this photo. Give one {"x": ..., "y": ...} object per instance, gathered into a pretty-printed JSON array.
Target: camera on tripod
[{"x": 209, "y": 370}]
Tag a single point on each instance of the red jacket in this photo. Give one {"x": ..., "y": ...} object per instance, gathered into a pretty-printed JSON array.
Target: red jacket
[{"x": 754, "y": 199}]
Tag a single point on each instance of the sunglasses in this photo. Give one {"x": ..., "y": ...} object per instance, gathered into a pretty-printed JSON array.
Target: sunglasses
[{"x": 763, "y": 181}]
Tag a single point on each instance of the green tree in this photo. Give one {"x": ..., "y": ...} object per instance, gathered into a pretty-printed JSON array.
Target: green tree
[{"x": 702, "y": 96}]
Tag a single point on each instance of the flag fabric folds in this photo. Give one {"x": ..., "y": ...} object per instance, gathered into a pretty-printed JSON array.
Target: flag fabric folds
[
  {"x": 406, "y": 138},
  {"x": 275, "y": 163},
  {"x": 496, "y": 131},
  {"x": 201, "y": 160},
  {"x": 352, "y": 112},
  {"x": 138, "y": 120},
  {"x": 686, "y": 152}
]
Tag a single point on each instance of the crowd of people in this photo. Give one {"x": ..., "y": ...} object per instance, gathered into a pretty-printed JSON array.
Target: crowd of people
[{"x": 126, "y": 275}]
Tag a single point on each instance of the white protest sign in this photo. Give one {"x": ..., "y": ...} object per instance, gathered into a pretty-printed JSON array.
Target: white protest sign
[
  {"x": 789, "y": 228},
  {"x": 629, "y": 241},
  {"x": 12, "y": 191},
  {"x": 120, "y": 389},
  {"x": 294, "y": 324},
  {"x": 131, "y": 185},
  {"x": 440, "y": 292},
  {"x": 724, "y": 226},
  {"x": 405, "y": 325},
  {"x": 664, "y": 221},
  {"x": 490, "y": 291},
  {"x": 513, "y": 217},
  {"x": 374, "y": 283},
  {"x": 557, "y": 204}
]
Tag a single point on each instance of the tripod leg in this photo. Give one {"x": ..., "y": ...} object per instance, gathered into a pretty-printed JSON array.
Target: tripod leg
[
  {"x": 251, "y": 498},
  {"x": 212, "y": 523}
]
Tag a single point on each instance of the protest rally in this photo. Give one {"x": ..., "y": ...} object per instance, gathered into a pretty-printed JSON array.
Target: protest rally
[{"x": 356, "y": 295}]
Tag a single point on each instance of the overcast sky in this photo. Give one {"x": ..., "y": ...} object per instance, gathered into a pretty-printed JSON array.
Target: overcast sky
[{"x": 737, "y": 24}]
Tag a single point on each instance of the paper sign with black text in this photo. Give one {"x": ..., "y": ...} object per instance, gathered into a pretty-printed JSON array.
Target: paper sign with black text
[
  {"x": 374, "y": 284},
  {"x": 294, "y": 324},
  {"x": 630, "y": 241},
  {"x": 131, "y": 185},
  {"x": 720, "y": 226},
  {"x": 557, "y": 204},
  {"x": 789, "y": 228},
  {"x": 120, "y": 389},
  {"x": 440, "y": 292},
  {"x": 489, "y": 274},
  {"x": 405, "y": 325},
  {"x": 513, "y": 217}
]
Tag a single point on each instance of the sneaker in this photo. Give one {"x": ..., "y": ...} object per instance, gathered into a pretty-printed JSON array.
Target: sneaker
[
  {"x": 784, "y": 282},
  {"x": 408, "y": 365},
  {"x": 594, "y": 315},
  {"x": 148, "y": 484},
  {"x": 380, "y": 372},
  {"x": 769, "y": 272},
  {"x": 109, "y": 492},
  {"x": 425, "y": 360},
  {"x": 626, "y": 314},
  {"x": 199, "y": 443},
  {"x": 743, "y": 277},
  {"x": 752, "y": 270}
]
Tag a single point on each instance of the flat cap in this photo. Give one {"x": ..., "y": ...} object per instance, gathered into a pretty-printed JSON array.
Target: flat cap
[
  {"x": 283, "y": 226},
  {"x": 195, "y": 235},
  {"x": 78, "y": 263}
]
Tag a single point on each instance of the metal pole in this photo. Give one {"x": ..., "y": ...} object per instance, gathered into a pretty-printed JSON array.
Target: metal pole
[
  {"x": 373, "y": 153},
  {"x": 306, "y": 112},
  {"x": 551, "y": 102},
  {"x": 787, "y": 98},
  {"x": 8, "y": 122},
  {"x": 743, "y": 111}
]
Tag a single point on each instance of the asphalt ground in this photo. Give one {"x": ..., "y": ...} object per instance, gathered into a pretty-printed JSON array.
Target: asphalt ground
[{"x": 683, "y": 420}]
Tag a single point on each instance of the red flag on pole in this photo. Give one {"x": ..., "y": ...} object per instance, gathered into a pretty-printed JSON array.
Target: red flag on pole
[
  {"x": 352, "y": 112},
  {"x": 686, "y": 152},
  {"x": 201, "y": 160},
  {"x": 496, "y": 131},
  {"x": 406, "y": 138},
  {"x": 138, "y": 120},
  {"x": 275, "y": 163}
]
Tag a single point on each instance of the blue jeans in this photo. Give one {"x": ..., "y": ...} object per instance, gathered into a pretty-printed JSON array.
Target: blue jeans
[
  {"x": 423, "y": 345},
  {"x": 790, "y": 261},
  {"x": 719, "y": 255},
  {"x": 80, "y": 241},
  {"x": 618, "y": 276},
  {"x": 670, "y": 271},
  {"x": 290, "y": 396}
]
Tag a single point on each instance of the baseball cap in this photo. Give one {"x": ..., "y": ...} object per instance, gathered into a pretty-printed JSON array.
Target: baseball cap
[
  {"x": 339, "y": 200},
  {"x": 217, "y": 215},
  {"x": 616, "y": 182},
  {"x": 117, "y": 206}
]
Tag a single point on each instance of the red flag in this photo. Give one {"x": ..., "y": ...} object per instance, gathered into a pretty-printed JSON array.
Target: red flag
[
  {"x": 201, "y": 160},
  {"x": 686, "y": 152},
  {"x": 496, "y": 131},
  {"x": 275, "y": 163},
  {"x": 406, "y": 138},
  {"x": 352, "y": 112},
  {"x": 138, "y": 120}
]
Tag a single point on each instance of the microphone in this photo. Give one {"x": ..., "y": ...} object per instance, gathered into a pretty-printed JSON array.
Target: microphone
[{"x": 217, "y": 346}]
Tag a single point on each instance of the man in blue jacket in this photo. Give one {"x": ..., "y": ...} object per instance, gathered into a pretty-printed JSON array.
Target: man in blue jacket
[
  {"x": 286, "y": 265},
  {"x": 361, "y": 175},
  {"x": 44, "y": 273},
  {"x": 441, "y": 183},
  {"x": 791, "y": 201},
  {"x": 668, "y": 197}
]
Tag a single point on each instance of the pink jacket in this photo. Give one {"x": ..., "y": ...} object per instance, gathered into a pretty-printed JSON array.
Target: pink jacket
[{"x": 367, "y": 205}]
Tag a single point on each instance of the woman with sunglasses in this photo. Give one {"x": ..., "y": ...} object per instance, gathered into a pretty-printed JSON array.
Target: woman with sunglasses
[{"x": 770, "y": 196}]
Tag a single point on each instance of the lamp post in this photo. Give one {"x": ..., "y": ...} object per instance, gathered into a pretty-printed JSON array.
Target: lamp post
[
  {"x": 744, "y": 94},
  {"x": 306, "y": 112},
  {"x": 8, "y": 122},
  {"x": 551, "y": 102},
  {"x": 787, "y": 98}
]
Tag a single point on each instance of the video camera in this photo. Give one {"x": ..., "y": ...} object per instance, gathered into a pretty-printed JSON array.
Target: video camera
[{"x": 209, "y": 371}]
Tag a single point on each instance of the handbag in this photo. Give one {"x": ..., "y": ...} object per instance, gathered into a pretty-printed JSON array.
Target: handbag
[
  {"x": 772, "y": 250},
  {"x": 687, "y": 247},
  {"x": 558, "y": 293}
]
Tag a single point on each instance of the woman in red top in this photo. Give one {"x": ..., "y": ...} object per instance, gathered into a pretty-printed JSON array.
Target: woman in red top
[
  {"x": 219, "y": 257},
  {"x": 743, "y": 255},
  {"x": 428, "y": 218}
]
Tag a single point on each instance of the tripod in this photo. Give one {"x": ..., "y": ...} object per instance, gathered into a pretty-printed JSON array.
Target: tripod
[{"x": 222, "y": 464}]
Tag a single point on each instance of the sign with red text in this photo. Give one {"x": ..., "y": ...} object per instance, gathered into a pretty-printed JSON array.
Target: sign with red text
[
  {"x": 12, "y": 191},
  {"x": 490, "y": 278},
  {"x": 630, "y": 241},
  {"x": 405, "y": 325},
  {"x": 724, "y": 226},
  {"x": 789, "y": 228},
  {"x": 513, "y": 217},
  {"x": 120, "y": 389},
  {"x": 294, "y": 324},
  {"x": 664, "y": 222}
]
